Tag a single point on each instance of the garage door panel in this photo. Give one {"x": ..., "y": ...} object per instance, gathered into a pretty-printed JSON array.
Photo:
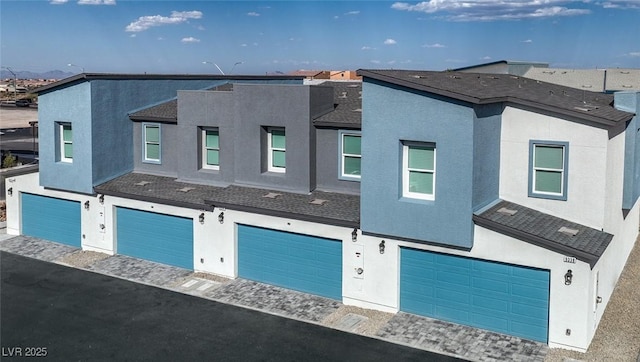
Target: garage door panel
[
  {"x": 504, "y": 298},
  {"x": 52, "y": 219},
  {"x": 493, "y": 285},
  {"x": 295, "y": 261},
  {"x": 162, "y": 238}
]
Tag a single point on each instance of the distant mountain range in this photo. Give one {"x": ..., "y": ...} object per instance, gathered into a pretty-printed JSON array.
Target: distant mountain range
[{"x": 23, "y": 74}]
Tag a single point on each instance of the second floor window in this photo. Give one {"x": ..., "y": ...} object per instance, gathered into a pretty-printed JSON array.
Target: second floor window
[
  {"x": 66, "y": 142},
  {"x": 419, "y": 170},
  {"x": 548, "y": 169},
  {"x": 211, "y": 149},
  {"x": 350, "y": 155},
  {"x": 151, "y": 140},
  {"x": 276, "y": 148}
]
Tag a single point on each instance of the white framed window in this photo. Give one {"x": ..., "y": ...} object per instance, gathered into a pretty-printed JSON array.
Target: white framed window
[
  {"x": 66, "y": 142},
  {"x": 151, "y": 141},
  {"x": 276, "y": 150},
  {"x": 350, "y": 155},
  {"x": 419, "y": 170},
  {"x": 211, "y": 149},
  {"x": 548, "y": 169}
]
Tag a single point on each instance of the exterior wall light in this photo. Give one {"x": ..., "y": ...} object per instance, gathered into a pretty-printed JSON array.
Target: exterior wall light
[
  {"x": 86, "y": 205},
  {"x": 354, "y": 235},
  {"x": 201, "y": 218},
  {"x": 221, "y": 217},
  {"x": 381, "y": 247},
  {"x": 10, "y": 191},
  {"x": 568, "y": 277},
  {"x": 101, "y": 199}
]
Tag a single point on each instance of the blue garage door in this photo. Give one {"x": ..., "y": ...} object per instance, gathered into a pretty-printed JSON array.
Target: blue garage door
[
  {"x": 157, "y": 237},
  {"x": 52, "y": 219},
  {"x": 304, "y": 263},
  {"x": 499, "y": 297}
]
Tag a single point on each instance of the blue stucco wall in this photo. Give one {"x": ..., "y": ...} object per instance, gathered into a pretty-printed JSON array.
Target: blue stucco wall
[
  {"x": 69, "y": 104},
  {"x": 630, "y": 101},
  {"x": 391, "y": 115}
]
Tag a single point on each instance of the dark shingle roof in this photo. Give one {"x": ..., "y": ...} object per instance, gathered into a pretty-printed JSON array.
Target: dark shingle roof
[
  {"x": 347, "y": 112},
  {"x": 337, "y": 209},
  {"x": 591, "y": 108},
  {"x": 542, "y": 229},
  {"x": 166, "y": 112}
]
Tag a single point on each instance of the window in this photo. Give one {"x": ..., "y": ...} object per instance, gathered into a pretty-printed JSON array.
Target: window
[
  {"x": 66, "y": 142},
  {"x": 151, "y": 135},
  {"x": 210, "y": 149},
  {"x": 548, "y": 169},
  {"x": 276, "y": 144},
  {"x": 418, "y": 170},
  {"x": 350, "y": 155}
]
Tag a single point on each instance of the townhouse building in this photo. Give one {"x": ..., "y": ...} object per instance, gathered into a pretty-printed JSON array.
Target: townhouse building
[{"x": 490, "y": 200}]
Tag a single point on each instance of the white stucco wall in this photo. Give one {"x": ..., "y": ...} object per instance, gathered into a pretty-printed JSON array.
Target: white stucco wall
[{"x": 587, "y": 179}]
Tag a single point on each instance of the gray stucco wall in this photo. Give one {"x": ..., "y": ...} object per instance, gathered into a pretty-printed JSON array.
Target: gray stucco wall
[
  {"x": 259, "y": 107},
  {"x": 391, "y": 115},
  {"x": 327, "y": 167},
  {"x": 197, "y": 109}
]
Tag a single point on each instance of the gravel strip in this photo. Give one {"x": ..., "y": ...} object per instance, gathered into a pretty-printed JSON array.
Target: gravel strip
[
  {"x": 618, "y": 335},
  {"x": 83, "y": 258},
  {"x": 375, "y": 319}
]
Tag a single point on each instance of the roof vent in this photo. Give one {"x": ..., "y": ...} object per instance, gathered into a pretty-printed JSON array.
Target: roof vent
[
  {"x": 587, "y": 86},
  {"x": 186, "y": 189},
  {"x": 582, "y": 109},
  {"x": 417, "y": 76},
  {"x": 317, "y": 201},
  {"x": 142, "y": 183},
  {"x": 271, "y": 195},
  {"x": 506, "y": 211},
  {"x": 568, "y": 231},
  {"x": 343, "y": 95},
  {"x": 358, "y": 110}
]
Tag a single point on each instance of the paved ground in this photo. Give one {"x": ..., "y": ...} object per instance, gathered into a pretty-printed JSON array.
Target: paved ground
[
  {"x": 12, "y": 117},
  {"x": 70, "y": 314},
  {"x": 401, "y": 328}
]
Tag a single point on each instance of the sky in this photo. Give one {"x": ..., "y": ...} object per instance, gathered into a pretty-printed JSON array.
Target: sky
[{"x": 259, "y": 37}]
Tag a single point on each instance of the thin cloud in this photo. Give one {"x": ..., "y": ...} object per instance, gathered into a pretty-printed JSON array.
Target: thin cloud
[
  {"x": 491, "y": 10},
  {"x": 435, "y": 45},
  {"x": 486, "y": 58},
  {"x": 58, "y": 2},
  {"x": 375, "y": 61},
  {"x": 620, "y": 4},
  {"x": 96, "y": 2},
  {"x": 253, "y": 13},
  {"x": 177, "y": 17},
  {"x": 190, "y": 40},
  {"x": 634, "y": 54},
  {"x": 367, "y": 48},
  {"x": 390, "y": 42},
  {"x": 528, "y": 41},
  {"x": 355, "y": 12}
]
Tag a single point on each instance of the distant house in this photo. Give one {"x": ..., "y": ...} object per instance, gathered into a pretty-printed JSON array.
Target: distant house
[
  {"x": 491, "y": 200},
  {"x": 594, "y": 80}
]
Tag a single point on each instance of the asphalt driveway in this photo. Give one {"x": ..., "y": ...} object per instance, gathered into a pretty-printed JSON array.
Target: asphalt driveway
[{"x": 78, "y": 315}]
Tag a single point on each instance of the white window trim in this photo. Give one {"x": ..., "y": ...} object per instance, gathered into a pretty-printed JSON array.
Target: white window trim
[
  {"x": 145, "y": 142},
  {"x": 62, "y": 142},
  {"x": 562, "y": 171},
  {"x": 406, "y": 170},
  {"x": 204, "y": 150},
  {"x": 343, "y": 155},
  {"x": 270, "y": 150}
]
